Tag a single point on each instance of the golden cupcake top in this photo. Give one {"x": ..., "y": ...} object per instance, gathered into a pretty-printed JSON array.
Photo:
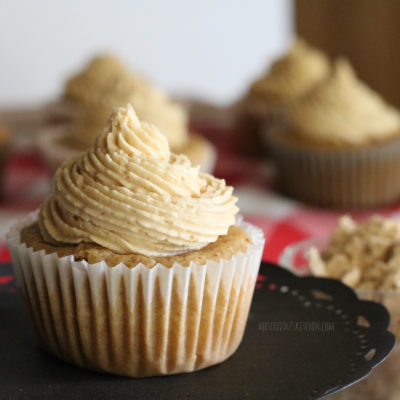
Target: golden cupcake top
[
  {"x": 107, "y": 83},
  {"x": 292, "y": 75},
  {"x": 365, "y": 255},
  {"x": 129, "y": 193},
  {"x": 342, "y": 110}
]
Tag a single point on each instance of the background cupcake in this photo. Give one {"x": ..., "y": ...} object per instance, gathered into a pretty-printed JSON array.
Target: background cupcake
[
  {"x": 341, "y": 145},
  {"x": 147, "y": 272},
  {"x": 288, "y": 78},
  {"x": 106, "y": 83}
]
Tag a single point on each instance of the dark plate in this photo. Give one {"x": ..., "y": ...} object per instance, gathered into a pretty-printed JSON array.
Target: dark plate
[{"x": 305, "y": 338}]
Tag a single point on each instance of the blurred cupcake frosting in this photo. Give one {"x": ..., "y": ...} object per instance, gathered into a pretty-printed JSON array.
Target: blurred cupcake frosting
[
  {"x": 265, "y": 104},
  {"x": 89, "y": 99},
  {"x": 292, "y": 75},
  {"x": 151, "y": 105},
  {"x": 342, "y": 110},
  {"x": 106, "y": 83},
  {"x": 105, "y": 76},
  {"x": 129, "y": 193}
]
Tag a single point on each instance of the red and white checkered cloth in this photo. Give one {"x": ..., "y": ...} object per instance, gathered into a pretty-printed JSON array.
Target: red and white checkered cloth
[{"x": 283, "y": 220}]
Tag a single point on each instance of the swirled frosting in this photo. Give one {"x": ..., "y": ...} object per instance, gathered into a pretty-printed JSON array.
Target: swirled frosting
[
  {"x": 130, "y": 194},
  {"x": 292, "y": 75},
  {"x": 107, "y": 83},
  {"x": 342, "y": 110}
]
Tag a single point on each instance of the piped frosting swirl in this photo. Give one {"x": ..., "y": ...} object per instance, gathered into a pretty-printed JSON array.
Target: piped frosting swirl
[
  {"x": 130, "y": 194},
  {"x": 342, "y": 110}
]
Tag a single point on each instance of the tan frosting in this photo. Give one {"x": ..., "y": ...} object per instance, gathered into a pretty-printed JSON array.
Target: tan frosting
[
  {"x": 107, "y": 83},
  {"x": 343, "y": 110},
  {"x": 130, "y": 194},
  {"x": 151, "y": 106},
  {"x": 104, "y": 79},
  {"x": 292, "y": 75}
]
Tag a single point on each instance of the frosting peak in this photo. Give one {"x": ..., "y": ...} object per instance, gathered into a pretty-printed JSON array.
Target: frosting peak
[
  {"x": 125, "y": 132},
  {"x": 292, "y": 75},
  {"x": 130, "y": 194},
  {"x": 343, "y": 110}
]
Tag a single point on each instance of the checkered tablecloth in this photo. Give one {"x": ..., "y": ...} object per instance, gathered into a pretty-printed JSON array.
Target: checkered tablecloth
[{"x": 283, "y": 220}]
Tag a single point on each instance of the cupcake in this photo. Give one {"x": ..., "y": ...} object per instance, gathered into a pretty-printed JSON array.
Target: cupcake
[
  {"x": 106, "y": 83},
  {"x": 340, "y": 146},
  {"x": 288, "y": 78},
  {"x": 135, "y": 264}
]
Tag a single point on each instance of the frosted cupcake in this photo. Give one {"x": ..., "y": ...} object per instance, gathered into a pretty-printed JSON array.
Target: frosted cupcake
[
  {"x": 139, "y": 252},
  {"x": 341, "y": 147},
  {"x": 106, "y": 83},
  {"x": 288, "y": 78}
]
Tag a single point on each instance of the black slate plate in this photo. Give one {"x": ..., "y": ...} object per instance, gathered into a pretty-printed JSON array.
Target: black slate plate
[{"x": 303, "y": 341}]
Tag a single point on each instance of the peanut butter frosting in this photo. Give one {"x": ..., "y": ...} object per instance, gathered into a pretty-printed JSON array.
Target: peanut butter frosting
[
  {"x": 152, "y": 106},
  {"x": 107, "y": 83},
  {"x": 342, "y": 110},
  {"x": 130, "y": 194},
  {"x": 292, "y": 75},
  {"x": 103, "y": 78}
]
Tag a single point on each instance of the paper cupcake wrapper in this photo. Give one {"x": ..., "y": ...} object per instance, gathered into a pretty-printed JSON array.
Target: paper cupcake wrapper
[
  {"x": 137, "y": 321},
  {"x": 364, "y": 177}
]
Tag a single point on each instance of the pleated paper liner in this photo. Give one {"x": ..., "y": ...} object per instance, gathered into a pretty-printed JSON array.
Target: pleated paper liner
[
  {"x": 137, "y": 321},
  {"x": 345, "y": 178}
]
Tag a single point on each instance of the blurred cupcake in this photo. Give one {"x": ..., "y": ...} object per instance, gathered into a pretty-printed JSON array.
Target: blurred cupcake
[
  {"x": 103, "y": 77},
  {"x": 106, "y": 83},
  {"x": 341, "y": 145},
  {"x": 289, "y": 78},
  {"x": 139, "y": 252}
]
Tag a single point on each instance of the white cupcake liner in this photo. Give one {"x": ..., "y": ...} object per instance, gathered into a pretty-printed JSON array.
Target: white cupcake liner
[{"x": 137, "y": 321}]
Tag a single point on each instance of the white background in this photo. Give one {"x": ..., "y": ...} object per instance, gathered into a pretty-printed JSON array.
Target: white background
[{"x": 207, "y": 48}]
